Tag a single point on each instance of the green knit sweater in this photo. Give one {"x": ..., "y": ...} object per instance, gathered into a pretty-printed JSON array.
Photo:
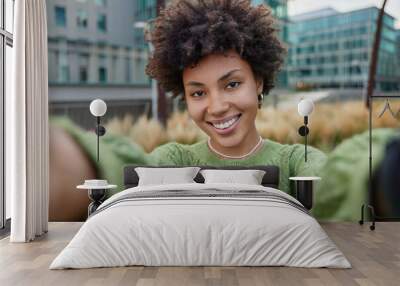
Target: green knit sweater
[{"x": 338, "y": 196}]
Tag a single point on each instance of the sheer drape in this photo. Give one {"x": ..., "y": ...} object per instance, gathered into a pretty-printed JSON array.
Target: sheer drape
[{"x": 27, "y": 156}]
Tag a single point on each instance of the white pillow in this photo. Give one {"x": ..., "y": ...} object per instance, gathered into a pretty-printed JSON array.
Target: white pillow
[
  {"x": 162, "y": 176},
  {"x": 248, "y": 177}
]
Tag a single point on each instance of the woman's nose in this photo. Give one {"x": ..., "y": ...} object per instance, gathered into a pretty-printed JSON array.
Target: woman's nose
[{"x": 217, "y": 104}]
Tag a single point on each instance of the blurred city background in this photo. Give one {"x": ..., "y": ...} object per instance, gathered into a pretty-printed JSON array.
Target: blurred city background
[{"x": 97, "y": 49}]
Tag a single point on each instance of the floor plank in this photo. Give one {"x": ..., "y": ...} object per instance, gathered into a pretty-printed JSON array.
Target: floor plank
[{"x": 374, "y": 255}]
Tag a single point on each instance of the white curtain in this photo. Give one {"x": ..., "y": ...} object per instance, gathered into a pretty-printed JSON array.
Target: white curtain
[{"x": 27, "y": 139}]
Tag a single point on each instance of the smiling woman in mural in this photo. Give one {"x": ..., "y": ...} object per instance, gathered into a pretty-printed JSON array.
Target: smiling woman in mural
[{"x": 221, "y": 57}]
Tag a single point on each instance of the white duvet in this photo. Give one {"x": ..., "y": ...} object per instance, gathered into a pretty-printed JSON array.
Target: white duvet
[{"x": 182, "y": 231}]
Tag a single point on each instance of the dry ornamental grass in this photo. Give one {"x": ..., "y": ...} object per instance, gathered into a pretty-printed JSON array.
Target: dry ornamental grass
[{"x": 330, "y": 123}]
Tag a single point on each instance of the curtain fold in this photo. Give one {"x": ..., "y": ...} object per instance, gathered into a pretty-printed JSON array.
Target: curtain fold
[{"x": 27, "y": 139}]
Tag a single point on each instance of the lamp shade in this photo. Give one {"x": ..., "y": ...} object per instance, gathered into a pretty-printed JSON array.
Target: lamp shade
[
  {"x": 98, "y": 107},
  {"x": 305, "y": 107}
]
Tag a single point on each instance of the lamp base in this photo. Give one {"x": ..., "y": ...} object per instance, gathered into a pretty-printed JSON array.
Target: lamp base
[
  {"x": 96, "y": 196},
  {"x": 304, "y": 193},
  {"x": 304, "y": 190}
]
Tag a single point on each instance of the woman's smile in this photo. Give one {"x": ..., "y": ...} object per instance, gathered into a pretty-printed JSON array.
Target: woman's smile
[{"x": 226, "y": 126}]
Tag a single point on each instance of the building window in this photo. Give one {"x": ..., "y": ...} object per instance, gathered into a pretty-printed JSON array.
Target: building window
[
  {"x": 102, "y": 70},
  {"x": 114, "y": 69},
  {"x": 127, "y": 70},
  {"x": 83, "y": 76},
  {"x": 63, "y": 68},
  {"x": 64, "y": 74},
  {"x": 101, "y": 2},
  {"x": 82, "y": 19},
  {"x": 102, "y": 74},
  {"x": 102, "y": 22},
  {"x": 61, "y": 19},
  {"x": 83, "y": 67}
]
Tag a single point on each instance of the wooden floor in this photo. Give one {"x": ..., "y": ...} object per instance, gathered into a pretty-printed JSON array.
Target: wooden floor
[{"x": 374, "y": 255}]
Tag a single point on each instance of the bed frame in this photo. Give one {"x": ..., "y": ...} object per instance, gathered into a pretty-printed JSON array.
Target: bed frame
[{"x": 270, "y": 179}]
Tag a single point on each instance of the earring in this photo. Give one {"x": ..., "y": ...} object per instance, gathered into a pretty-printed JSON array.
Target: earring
[{"x": 260, "y": 100}]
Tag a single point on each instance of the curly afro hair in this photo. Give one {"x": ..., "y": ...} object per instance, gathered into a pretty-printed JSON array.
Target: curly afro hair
[{"x": 188, "y": 30}]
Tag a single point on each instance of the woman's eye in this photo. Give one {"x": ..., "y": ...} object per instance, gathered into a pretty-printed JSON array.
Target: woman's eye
[
  {"x": 233, "y": 84},
  {"x": 197, "y": 93}
]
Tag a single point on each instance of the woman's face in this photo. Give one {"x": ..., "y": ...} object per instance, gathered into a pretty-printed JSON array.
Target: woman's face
[{"x": 221, "y": 95}]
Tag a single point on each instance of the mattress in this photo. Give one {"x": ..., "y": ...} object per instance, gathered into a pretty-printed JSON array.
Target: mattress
[{"x": 201, "y": 225}]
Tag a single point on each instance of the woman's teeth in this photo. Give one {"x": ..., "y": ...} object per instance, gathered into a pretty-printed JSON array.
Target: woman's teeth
[{"x": 226, "y": 124}]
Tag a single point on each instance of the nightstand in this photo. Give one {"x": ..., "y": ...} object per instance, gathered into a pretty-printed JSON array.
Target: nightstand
[
  {"x": 304, "y": 190},
  {"x": 96, "y": 195}
]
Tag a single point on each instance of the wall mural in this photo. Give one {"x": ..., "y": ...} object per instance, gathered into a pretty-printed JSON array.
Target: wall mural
[{"x": 221, "y": 88}]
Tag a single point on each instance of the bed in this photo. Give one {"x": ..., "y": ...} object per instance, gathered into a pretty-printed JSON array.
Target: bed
[{"x": 201, "y": 224}]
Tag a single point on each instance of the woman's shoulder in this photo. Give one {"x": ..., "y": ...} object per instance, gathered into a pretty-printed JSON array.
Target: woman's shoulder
[
  {"x": 292, "y": 152},
  {"x": 286, "y": 147},
  {"x": 359, "y": 142}
]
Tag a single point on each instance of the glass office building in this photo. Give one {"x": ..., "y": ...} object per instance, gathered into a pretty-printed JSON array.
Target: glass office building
[
  {"x": 398, "y": 44},
  {"x": 329, "y": 49},
  {"x": 280, "y": 11},
  {"x": 144, "y": 10}
]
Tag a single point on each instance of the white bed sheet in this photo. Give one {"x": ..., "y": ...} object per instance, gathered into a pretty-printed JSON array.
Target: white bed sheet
[{"x": 200, "y": 231}]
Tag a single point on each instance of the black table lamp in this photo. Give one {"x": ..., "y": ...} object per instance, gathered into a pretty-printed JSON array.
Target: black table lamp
[
  {"x": 305, "y": 108},
  {"x": 98, "y": 108}
]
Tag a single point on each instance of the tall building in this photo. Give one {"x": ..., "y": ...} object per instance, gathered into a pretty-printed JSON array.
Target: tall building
[
  {"x": 96, "y": 49},
  {"x": 93, "y": 42},
  {"x": 91, "y": 53},
  {"x": 329, "y": 49}
]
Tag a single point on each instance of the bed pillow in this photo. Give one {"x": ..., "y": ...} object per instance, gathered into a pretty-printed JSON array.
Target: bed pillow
[
  {"x": 162, "y": 176},
  {"x": 248, "y": 177}
]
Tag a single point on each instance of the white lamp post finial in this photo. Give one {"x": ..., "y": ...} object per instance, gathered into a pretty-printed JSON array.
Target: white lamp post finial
[{"x": 98, "y": 107}]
